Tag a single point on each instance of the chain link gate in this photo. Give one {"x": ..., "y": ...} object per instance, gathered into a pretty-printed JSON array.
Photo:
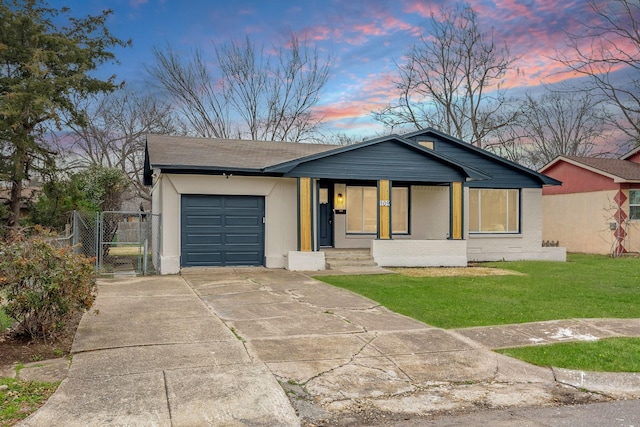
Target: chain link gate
[{"x": 123, "y": 243}]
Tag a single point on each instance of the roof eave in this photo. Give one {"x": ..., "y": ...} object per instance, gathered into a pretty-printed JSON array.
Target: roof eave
[
  {"x": 544, "y": 180},
  {"x": 620, "y": 180},
  {"x": 628, "y": 154},
  {"x": 548, "y": 181},
  {"x": 614, "y": 177},
  {"x": 197, "y": 168}
]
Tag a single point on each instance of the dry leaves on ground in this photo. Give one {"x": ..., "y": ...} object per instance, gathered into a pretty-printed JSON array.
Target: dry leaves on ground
[{"x": 471, "y": 271}]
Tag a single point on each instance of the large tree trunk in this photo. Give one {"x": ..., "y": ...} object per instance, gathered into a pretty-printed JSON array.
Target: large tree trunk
[{"x": 19, "y": 162}]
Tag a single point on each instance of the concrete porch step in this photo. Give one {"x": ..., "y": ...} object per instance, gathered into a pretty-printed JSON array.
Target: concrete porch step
[
  {"x": 340, "y": 258},
  {"x": 337, "y": 265}
]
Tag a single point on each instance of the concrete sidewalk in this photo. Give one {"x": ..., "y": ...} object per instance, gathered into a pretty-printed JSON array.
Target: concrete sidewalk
[
  {"x": 614, "y": 384},
  {"x": 155, "y": 355},
  {"x": 260, "y": 347}
]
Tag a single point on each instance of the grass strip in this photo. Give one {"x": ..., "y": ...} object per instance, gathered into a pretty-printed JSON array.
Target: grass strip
[
  {"x": 5, "y": 321},
  {"x": 606, "y": 355},
  {"x": 21, "y": 398},
  {"x": 586, "y": 286}
]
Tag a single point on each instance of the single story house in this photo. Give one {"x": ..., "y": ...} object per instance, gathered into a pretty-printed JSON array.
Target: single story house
[
  {"x": 597, "y": 208},
  {"x": 420, "y": 199}
]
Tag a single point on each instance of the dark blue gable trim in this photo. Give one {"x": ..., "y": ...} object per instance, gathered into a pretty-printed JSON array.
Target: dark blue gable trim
[
  {"x": 383, "y": 158},
  {"x": 504, "y": 173}
]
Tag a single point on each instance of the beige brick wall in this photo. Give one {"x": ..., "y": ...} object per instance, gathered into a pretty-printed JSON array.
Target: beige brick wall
[
  {"x": 580, "y": 221},
  {"x": 526, "y": 245},
  {"x": 280, "y": 201}
]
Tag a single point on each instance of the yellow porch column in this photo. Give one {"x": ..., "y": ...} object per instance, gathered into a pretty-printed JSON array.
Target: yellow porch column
[
  {"x": 305, "y": 228},
  {"x": 384, "y": 203},
  {"x": 456, "y": 210}
]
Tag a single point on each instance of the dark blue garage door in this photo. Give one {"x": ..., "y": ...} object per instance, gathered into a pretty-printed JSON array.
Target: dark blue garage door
[{"x": 222, "y": 230}]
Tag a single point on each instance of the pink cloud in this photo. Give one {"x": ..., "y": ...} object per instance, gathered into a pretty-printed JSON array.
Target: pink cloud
[
  {"x": 339, "y": 111},
  {"x": 370, "y": 29},
  {"x": 533, "y": 31},
  {"x": 359, "y": 29},
  {"x": 419, "y": 8},
  {"x": 320, "y": 33},
  {"x": 359, "y": 98},
  {"x": 398, "y": 25}
]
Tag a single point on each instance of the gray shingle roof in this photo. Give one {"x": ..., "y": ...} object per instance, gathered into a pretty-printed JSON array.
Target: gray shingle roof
[
  {"x": 189, "y": 152},
  {"x": 624, "y": 169}
]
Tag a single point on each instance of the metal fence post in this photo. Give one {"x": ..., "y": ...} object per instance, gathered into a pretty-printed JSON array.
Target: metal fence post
[
  {"x": 98, "y": 235},
  {"x": 75, "y": 237}
]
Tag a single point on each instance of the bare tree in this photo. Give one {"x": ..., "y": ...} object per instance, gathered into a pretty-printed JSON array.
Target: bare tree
[
  {"x": 341, "y": 138},
  {"x": 452, "y": 79},
  {"x": 608, "y": 53},
  {"x": 571, "y": 123},
  {"x": 250, "y": 94},
  {"x": 113, "y": 132}
]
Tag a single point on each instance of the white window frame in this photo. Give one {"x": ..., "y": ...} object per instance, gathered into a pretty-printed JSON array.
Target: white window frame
[
  {"x": 394, "y": 202},
  {"x": 634, "y": 216},
  {"x": 362, "y": 230},
  {"x": 350, "y": 198},
  {"x": 506, "y": 229}
]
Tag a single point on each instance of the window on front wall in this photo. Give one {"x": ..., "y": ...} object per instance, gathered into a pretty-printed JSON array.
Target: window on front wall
[
  {"x": 362, "y": 209},
  {"x": 494, "y": 211},
  {"x": 362, "y": 213},
  {"x": 634, "y": 204},
  {"x": 400, "y": 210}
]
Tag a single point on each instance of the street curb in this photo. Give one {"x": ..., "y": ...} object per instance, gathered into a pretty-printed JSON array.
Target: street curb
[{"x": 620, "y": 384}]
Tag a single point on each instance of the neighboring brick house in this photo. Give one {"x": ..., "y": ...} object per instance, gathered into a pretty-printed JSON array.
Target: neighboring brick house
[{"x": 597, "y": 208}]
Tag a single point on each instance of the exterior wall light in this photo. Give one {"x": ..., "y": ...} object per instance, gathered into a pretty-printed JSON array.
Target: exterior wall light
[{"x": 340, "y": 202}]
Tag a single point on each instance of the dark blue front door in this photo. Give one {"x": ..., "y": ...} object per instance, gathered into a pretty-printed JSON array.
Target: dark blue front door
[{"x": 325, "y": 217}]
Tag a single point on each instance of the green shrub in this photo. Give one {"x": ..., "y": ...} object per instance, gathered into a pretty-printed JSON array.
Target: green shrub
[{"x": 44, "y": 285}]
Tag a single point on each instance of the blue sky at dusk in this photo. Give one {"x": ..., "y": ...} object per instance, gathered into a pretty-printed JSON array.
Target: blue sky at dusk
[{"x": 365, "y": 39}]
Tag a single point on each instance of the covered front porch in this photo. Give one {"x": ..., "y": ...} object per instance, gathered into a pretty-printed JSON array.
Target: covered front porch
[
  {"x": 395, "y": 223},
  {"x": 401, "y": 200}
]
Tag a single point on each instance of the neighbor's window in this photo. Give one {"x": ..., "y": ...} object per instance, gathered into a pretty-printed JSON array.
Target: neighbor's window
[
  {"x": 634, "y": 204},
  {"x": 362, "y": 209},
  {"x": 494, "y": 211}
]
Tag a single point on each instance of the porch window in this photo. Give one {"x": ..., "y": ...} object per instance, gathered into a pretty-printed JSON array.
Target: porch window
[
  {"x": 362, "y": 209},
  {"x": 362, "y": 212},
  {"x": 400, "y": 210},
  {"x": 634, "y": 205},
  {"x": 494, "y": 211}
]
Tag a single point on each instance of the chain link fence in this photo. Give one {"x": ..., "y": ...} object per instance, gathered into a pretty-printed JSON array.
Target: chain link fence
[
  {"x": 84, "y": 232},
  {"x": 123, "y": 243}
]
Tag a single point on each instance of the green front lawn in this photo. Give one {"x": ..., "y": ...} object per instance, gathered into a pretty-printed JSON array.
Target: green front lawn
[
  {"x": 5, "y": 321},
  {"x": 21, "y": 398},
  {"x": 586, "y": 286},
  {"x": 607, "y": 355}
]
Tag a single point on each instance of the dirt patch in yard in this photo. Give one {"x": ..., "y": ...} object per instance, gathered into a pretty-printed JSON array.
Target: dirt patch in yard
[
  {"x": 17, "y": 349},
  {"x": 471, "y": 271}
]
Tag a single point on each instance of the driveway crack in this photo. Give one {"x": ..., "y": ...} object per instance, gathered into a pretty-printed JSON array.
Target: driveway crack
[
  {"x": 350, "y": 361},
  {"x": 166, "y": 394}
]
